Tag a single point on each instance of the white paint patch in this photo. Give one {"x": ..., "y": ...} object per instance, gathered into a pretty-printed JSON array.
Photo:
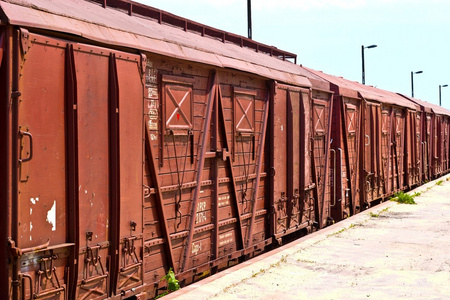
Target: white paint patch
[
  {"x": 34, "y": 200},
  {"x": 31, "y": 228},
  {"x": 196, "y": 247},
  {"x": 31, "y": 211},
  {"x": 51, "y": 216}
]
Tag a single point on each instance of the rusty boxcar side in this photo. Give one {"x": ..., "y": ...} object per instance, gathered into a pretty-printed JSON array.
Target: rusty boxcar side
[
  {"x": 299, "y": 136},
  {"x": 206, "y": 168},
  {"x": 345, "y": 142},
  {"x": 134, "y": 141},
  {"x": 76, "y": 152},
  {"x": 375, "y": 142},
  {"x": 133, "y": 157},
  {"x": 434, "y": 139}
]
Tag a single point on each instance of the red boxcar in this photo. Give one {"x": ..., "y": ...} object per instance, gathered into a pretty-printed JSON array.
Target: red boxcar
[
  {"x": 125, "y": 154},
  {"x": 373, "y": 137},
  {"x": 299, "y": 140},
  {"x": 434, "y": 139},
  {"x": 134, "y": 142}
]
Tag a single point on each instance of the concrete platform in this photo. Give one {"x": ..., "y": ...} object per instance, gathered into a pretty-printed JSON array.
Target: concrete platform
[{"x": 391, "y": 251}]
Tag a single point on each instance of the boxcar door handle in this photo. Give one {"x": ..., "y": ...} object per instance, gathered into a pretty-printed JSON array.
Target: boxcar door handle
[
  {"x": 368, "y": 140},
  {"x": 31, "y": 146},
  {"x": 30, "y": 280}
]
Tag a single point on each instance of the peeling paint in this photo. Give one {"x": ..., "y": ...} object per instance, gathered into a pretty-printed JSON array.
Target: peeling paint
[
  {"x": 31, "y": 228},
  {"x": 34, "y": 200},
  {"x": 51, "y": 216}
]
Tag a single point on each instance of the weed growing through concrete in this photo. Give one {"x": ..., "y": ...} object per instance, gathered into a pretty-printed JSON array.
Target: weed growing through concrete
[
  {"x": 172, "y": 283},
  {"x": 403, "y": 198},
  {"x": 341, "y": 231},
  {"x": 261, "y": 271},
  {"x": 306, "y": 261},
  {"x": 439, "y": 182},
  {"x": 376, "y": 215}
]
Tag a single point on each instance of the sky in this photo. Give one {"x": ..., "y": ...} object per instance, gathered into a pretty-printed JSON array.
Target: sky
[{"x": 326, "y": 35}]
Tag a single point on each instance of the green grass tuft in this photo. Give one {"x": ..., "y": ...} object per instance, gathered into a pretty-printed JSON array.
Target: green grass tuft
[
  {"x": 416, "y": 194},
  {"x": 403, "y": 198},
  {"x": 172, "y": 283}
]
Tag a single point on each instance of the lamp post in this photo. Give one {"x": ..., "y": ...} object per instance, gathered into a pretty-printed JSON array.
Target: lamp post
[
  {"x": 362, "y": 56},
  {"x": 412, "y": 81},
  {"x": 249, "y": 18},
  {"x": 444, "y": 85}
]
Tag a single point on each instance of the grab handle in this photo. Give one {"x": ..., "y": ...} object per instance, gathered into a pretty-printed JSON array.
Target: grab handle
[{"x": 22, "y": 133}]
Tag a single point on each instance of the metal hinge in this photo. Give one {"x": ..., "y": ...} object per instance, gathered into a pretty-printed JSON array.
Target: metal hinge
[
  {"x": 24, "y": 40},
  {"x": 16, "y": 94}
]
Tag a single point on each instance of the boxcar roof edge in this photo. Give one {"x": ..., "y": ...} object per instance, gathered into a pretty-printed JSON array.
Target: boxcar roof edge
[{"x": 112, "y": 26}]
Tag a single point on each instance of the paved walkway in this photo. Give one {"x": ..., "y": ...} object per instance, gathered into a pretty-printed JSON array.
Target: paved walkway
[{"x": 391, "y": 251}]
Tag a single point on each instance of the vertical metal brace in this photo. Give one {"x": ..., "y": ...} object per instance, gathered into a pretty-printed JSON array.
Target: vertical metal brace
[
  {"x": 200, "y": 164},
  {"x": 262, "y": 139},
  {"x": 226, "y": 155},
  {"x": 340, "y": 166},
  {"x": 330, "y": 114},
  {"x": 334, "y": 177},
  {"x": 162, "y": 216}
]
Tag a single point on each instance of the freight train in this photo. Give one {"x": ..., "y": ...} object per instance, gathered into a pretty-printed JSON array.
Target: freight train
[{"x": 134, "y": 141}]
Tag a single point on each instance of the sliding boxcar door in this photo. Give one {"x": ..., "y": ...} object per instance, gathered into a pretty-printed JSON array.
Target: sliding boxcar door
[
  {"x": 130, "y": 138},
  {"x": 399, "y": 146},
  {"x": 418, "y": 147},
  {"x": 352, "y": 122},
  {"x": 92, "y": 68},
  {"x": 320, "y": 118},
  {"x": 42, "y": 200},
  {"x": 372, "y": 180},
  {"x": 292, "y": 182},
  {"x": 279, "y": 167}
]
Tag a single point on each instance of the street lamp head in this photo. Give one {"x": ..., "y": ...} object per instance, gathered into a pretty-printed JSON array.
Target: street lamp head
[
  {"x": 418, "y": 72},
  {"x": 362, "y": 56},
  {"x": 441, "y": 86}
]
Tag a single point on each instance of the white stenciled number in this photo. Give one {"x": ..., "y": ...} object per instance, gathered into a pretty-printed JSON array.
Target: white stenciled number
[{"x": 201, "y": 213}]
